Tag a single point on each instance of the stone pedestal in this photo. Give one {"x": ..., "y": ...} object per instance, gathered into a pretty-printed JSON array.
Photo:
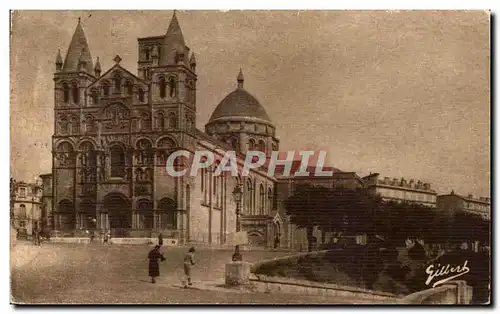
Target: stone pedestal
[{"x": 237, "y": 273}]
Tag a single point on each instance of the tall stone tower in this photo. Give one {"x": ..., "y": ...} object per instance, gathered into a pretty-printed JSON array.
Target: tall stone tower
[
  {"x": 71, "y": 78},
  {"x": 113, "y": 134}
]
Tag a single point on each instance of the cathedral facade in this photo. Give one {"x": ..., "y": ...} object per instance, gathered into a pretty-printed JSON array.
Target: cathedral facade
[{"x": 114, "y": 131}]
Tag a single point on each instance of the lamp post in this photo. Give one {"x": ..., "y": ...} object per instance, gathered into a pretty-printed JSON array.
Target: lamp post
[{"x": 237, "y": 194}]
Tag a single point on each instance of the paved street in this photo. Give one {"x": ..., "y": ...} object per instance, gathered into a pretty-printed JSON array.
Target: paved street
[{"x": 82, "y": 273}]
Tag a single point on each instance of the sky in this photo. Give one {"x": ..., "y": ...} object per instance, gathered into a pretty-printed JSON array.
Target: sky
[{"x": 400, "y": 93}]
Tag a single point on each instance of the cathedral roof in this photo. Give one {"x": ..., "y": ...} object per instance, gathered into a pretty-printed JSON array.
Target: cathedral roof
[
  {"x": 240, "y": 104},
  {"x": 78, "y": 50},
  {"x": 173, "y": 43}
]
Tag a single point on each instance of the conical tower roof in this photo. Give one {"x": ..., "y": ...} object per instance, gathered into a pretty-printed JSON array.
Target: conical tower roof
[
  {"x": 78, "y": 50},
  {"x": 173, "y": 42}
]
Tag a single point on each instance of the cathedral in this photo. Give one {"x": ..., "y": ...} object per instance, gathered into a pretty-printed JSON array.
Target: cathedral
[{"x": 114, "y": 131}]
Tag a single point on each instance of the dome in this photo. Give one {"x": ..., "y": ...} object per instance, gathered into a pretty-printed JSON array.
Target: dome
[{"x": 240, "y": 104}]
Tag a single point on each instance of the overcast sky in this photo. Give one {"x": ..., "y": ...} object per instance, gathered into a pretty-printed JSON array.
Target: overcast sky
[{"x": 405, "y": 94}]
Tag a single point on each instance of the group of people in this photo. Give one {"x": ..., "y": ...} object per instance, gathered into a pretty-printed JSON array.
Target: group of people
[
  {"x": 155, "y": 256},
  {"x": 104, "y": 237},
  {"x": 37, "y": 236}
]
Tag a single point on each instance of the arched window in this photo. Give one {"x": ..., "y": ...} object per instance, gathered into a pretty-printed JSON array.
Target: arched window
[
  {"x": 251, "y": 144},
  {"x": 262, "y": 146},
  {"x": 262, "y": 203},
  {"x": 165, "y": 146},
  {"x": 22, "y": 211},
  {"x": 130, "y": 88},
  {"x": 163, "y": 87},
  {"x": 141, "y": 95},
  {"x": 166, "y": 214},
  {"x": 105, "y": 89},
  {"x": 65, "y": 93},
  {"x": 89, "y": 124},
  {"x": 95, "y": 97},
  {"x": 234, "y": 143},
  {"x": 269, "y": 200},
  {"x": 63, "y": 126},
  {"x": 173, "y": 87},
  {"x": 160, "y": 120},
  {"x": 75, "y": 125},
  {"x": 117, "y": 161},
  {"x": 146, "y": 54},
  {"x": 76, "y": 93},
  {"x": 144, "y": 155},
  {"x": 118, "y": 83},
  {"x": 249, "y": 197},
  {"x": 145, "y": 122},
  {"x": 172, "y": 121}
]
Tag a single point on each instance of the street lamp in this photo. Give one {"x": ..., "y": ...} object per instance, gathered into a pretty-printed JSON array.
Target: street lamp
[{"x": 237, "y": 194}]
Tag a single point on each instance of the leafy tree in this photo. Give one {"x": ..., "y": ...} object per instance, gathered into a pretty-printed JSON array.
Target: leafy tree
[{"x": 307, "y": 207}]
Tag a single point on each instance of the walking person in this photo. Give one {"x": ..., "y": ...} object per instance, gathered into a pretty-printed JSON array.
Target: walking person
[
  {"x": 188, "y": 264},
  {"x": 154, "y": 266},
  {"x": 160, "y": 239},
  {"x": 105, "y": 238}
]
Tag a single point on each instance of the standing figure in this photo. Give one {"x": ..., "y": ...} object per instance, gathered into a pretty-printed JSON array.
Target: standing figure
[
  {"x": 160, "y": 239},
  {"x": 188, "y": 264},
  {"x": 154, "y": 266},
  {"x": 237, "y": 255},
  {"x": 105, "y": 237}
]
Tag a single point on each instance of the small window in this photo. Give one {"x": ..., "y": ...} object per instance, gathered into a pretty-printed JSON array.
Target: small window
[
  {"x": 130, "y": 87},
  {"x": 76, "y": 93},
  {"x": 172, "y": 121},
  {"x": 163, "y": 88},
  {"x": 65, "y": 93},
  {"x": 118, "y": 83},
  {"x": 22, "y": 193},
  {"x": 141, "y": 95},
  {"x": 105, "y": 90}
]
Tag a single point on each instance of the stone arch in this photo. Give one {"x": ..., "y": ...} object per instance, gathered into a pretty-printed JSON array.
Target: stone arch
[
  {"x": 270, "y": 198},
  {"x": 64, "y": 215},
  {"x": 143, "y": 215},
  {"x": 166, "y": 212},
  {"x": 145, "y": 119},
  {"x": 118, "y": 208},
  {"x": 248, "y": 195},
  {"x": 160, "y": 120},
  {"x": 118, "y": 156},
  {"x": 262, "y": 199},
  {"x": 66, "y": 89},
  {"x": 251, "y": 144},
  {"x": 85, "y": 142},
  {"x": 105, "y": 86},
  {"x": 86, "y": 215},
  {"x": 256, "y": 237},
  {"x": 129, "y": 86},
  {"x": 166, "y": 142},
  {"x": 162, "y": 85},
  {"x": 65, "y": 146}
]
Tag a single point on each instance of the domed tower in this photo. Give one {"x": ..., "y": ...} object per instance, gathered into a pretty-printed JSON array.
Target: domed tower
[{"x": 242, "y": 122}]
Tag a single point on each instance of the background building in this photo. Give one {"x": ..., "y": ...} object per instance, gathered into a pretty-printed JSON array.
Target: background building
[
  {"x": 452, "y": 203},
  {"x": 401, "y": 189},
  {"x": 26, "y": 209},
  {"x": 46, "y": 201}
]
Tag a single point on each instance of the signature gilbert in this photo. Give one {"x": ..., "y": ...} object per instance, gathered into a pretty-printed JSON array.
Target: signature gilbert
[{"x": 440, "y": 271}]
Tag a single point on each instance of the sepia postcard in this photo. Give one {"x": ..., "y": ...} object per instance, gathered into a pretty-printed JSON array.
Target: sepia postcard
[{"x": 250, "y": 157}]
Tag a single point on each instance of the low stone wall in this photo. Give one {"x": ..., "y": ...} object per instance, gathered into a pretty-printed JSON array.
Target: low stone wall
[
  {"x": 118, "y": 241},
  {"x": 453, "y": 292},
  {"x": 270, "y": 284}
]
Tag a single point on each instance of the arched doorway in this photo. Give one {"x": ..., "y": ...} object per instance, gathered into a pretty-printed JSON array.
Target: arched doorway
[
  {"x": 86, "y": 215},
  {"x": 119, "y": 214},
  {"x": 166, "y": 214}
]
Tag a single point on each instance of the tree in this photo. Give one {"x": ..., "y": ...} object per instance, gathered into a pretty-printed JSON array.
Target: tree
[{"x": 307, "y": 207}]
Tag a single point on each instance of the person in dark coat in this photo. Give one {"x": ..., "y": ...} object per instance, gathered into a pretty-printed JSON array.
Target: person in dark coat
[
  {"x": 154, "y": 266},
  {"x": 160, "y": 239},
  {"x": 188, "y": 264}
]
